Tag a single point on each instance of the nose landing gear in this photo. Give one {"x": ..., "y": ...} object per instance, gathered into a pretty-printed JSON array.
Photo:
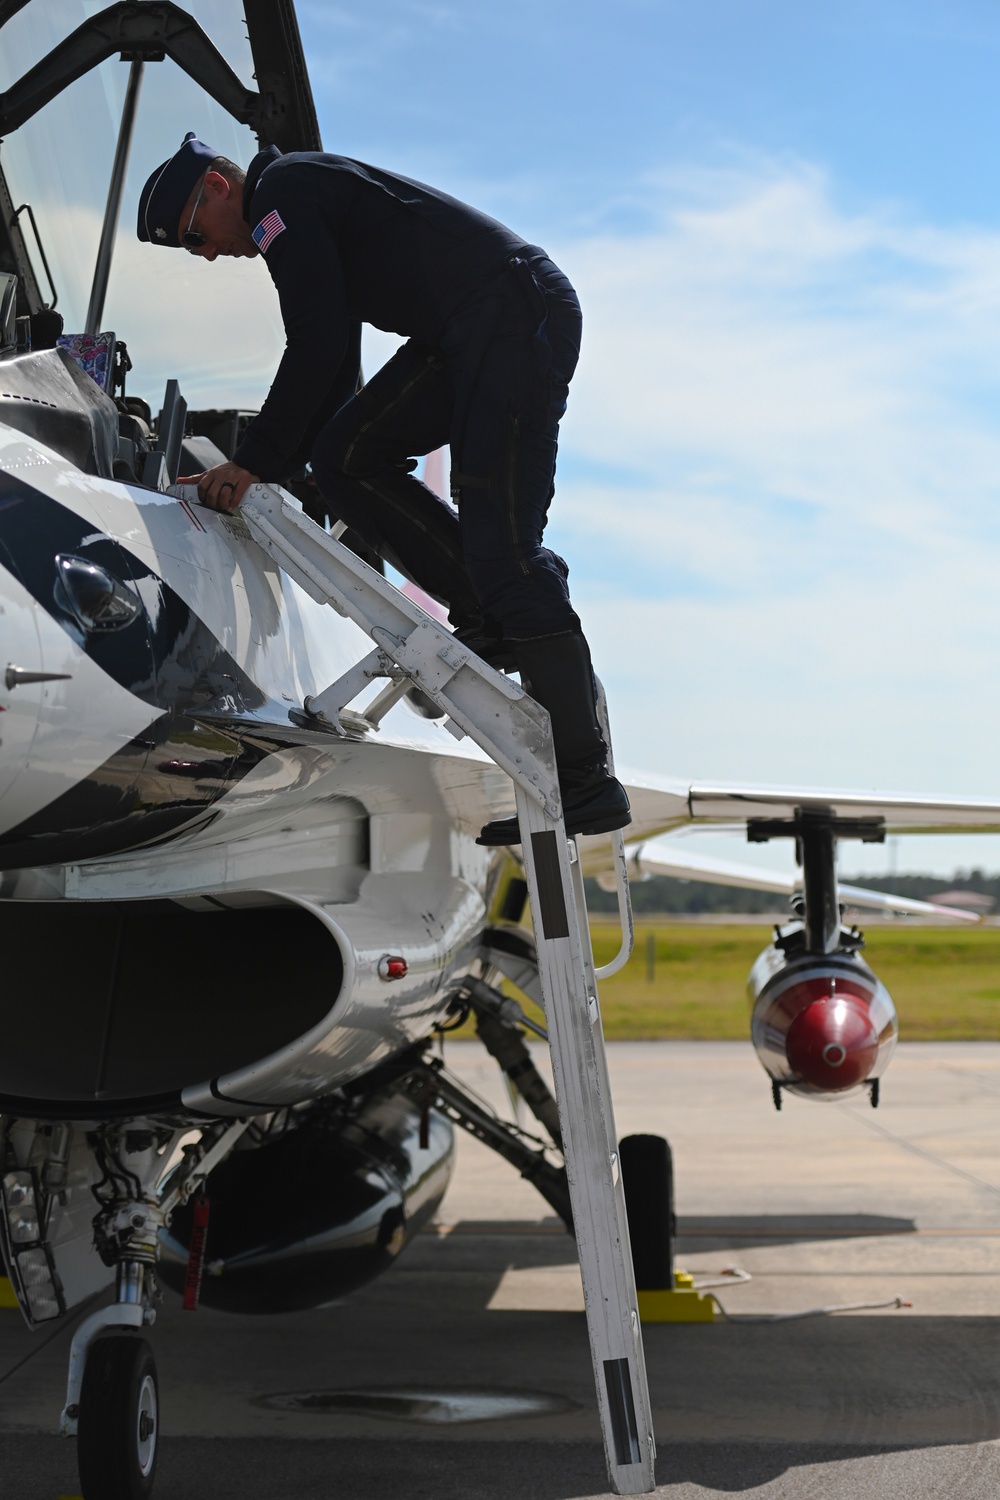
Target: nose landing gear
[
  {"x": 112, "y": 1399},
  {"x": 118, "y": 1420}
]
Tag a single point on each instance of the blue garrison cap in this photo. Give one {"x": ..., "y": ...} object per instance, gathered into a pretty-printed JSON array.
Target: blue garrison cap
[{"x": 162, "y": 200}]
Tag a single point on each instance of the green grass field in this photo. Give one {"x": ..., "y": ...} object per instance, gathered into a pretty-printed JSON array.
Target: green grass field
[{"x": 945, "y": 981}]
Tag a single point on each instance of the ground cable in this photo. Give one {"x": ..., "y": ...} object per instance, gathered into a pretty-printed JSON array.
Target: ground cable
[{"x": 735, "y": 1274}]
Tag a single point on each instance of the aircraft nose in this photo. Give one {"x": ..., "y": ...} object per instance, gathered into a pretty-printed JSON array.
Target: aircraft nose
[{"x": 833, "y": 1043}]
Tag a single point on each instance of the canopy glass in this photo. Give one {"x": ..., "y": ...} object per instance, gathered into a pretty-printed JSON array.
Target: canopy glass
[{"x": 214, "y": 327}]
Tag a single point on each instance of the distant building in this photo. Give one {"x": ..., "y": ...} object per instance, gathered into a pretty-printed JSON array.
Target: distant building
[{"x": 975, "y": 901}]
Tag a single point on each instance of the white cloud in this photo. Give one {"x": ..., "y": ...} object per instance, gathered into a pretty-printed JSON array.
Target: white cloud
[
  {"x": 780, "y": 482},
  {"x": 796, "y": 577},
  {"x": 821, "y": 357},
  {"x": 214, "y": 327}
]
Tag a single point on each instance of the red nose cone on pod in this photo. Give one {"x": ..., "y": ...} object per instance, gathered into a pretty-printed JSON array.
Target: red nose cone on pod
[{"x": 833, "y": 1043}]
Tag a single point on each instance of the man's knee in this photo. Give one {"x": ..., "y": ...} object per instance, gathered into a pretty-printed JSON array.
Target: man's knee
[
  {"x": 349, "y": 450},
  {"x": 528, "y": 594},
  {"x": 334, "y": 447}
]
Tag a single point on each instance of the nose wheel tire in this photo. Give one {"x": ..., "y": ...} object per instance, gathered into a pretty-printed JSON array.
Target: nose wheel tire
[{"x": 119, "y": 1420}]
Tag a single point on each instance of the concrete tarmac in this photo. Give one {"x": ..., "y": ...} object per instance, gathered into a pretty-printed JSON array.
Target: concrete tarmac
[{"x": 824, "y": 1204}]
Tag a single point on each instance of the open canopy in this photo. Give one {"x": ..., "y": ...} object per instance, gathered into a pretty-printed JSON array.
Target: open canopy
[{"x": 234, "y": 72}]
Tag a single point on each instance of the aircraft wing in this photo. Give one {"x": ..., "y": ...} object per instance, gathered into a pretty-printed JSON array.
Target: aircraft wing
[
  {"x": 665, "y": 858},
  {"x": 660, "y": 804}
]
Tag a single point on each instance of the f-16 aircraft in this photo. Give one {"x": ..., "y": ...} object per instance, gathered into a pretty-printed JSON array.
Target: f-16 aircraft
[{"x": 237, "y": 912}]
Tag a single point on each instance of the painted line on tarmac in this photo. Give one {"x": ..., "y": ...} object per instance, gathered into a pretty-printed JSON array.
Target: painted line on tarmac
[
  {"x": 838, "y": 1275},
  {"x": 64, "y": 1323},
  {"x": 488, "y": 1227},
  {"x": 710, "y": 1232},
  {"x": 972, "y": 1075},
  {"x": 685, "y": 1233},
  {"x": 915, "y": 1150}
]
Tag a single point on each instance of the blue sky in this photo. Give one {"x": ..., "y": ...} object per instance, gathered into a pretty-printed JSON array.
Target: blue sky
[
  {"x": 781, "y": 465},
  {"x": 779, "y": 480},
  {"x": 566, "y": 108}
]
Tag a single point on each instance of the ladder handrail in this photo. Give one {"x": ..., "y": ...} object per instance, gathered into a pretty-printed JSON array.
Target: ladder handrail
[
  {"x": 515, "y": 732},
  {"x": 520, "y": 738},
  {"x": 626, "y": 920},
  {"x": 622, "y": 889}
]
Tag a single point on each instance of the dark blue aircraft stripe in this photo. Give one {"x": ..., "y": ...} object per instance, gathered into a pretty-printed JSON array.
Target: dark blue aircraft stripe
[
  {"x": 174, "y": 662},
  {"x": 168, "y": 658}
]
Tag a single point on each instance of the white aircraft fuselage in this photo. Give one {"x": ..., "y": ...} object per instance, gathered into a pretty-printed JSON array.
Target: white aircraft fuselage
[{"x": 166, "y": 758}]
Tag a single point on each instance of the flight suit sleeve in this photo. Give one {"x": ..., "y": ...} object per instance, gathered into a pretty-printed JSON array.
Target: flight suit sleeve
[
  {"x": 345, "y": 386},
  {"x": 321, "y": 364}
]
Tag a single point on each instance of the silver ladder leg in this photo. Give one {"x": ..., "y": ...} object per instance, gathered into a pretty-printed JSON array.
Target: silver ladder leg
[
  {"x": 515, "y": 732},
  {"x": 590, "y": 1147}
]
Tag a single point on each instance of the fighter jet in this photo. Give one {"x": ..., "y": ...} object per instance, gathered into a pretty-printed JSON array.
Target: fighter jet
[{"x": 237, "y": 912}]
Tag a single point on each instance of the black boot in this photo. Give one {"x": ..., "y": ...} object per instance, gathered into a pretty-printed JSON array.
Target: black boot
[
  {"x": 483, "y": 635},
  {"x": 556, "y": 671}
]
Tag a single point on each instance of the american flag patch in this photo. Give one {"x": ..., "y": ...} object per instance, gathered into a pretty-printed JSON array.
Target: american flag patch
[{"x": 268, "y": 229}]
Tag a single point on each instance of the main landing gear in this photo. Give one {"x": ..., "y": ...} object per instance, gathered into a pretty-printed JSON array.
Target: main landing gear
[{"x": 646, "y": 1160}]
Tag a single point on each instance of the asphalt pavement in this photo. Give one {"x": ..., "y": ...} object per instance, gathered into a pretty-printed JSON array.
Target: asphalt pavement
[{"x": 466, "y": 1370}]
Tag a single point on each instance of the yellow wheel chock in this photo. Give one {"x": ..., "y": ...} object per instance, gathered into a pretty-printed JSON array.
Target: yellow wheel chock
[{"x": 681, "y": 1304}]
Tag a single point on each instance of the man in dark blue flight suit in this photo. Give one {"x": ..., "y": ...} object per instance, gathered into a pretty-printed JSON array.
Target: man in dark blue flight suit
[{"x": 493, "y": 337}]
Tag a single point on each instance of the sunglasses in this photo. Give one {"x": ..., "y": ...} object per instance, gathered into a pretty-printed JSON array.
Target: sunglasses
[{"x": 193, "y": 239}]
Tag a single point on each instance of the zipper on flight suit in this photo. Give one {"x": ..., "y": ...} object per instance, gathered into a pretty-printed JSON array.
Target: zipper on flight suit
[
  {"x": 512, "y": 521},
  {"x": 431, "y": 365}
]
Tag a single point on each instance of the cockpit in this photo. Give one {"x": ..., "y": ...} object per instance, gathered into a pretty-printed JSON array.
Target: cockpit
[{"x": 99, "y": 335}]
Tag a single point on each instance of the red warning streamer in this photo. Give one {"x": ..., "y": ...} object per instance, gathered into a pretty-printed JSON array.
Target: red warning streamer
[{"x": 196, "y": 1254}]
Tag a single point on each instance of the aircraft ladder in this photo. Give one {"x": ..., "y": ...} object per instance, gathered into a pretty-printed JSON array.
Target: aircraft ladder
[{"x": 412, "y": 649}]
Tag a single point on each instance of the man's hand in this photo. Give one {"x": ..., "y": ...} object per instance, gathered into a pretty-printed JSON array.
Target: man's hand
[{"x": 223, "y": 487}]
